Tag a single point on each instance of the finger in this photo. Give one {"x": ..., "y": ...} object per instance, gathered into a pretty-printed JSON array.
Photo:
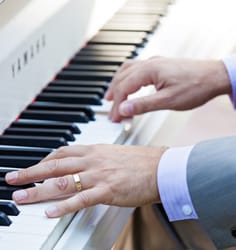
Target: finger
[
  {"x": 121, "y": 73},
  {"x": 132, "y": 83},
  {"x": 123, "y": 69},
  {"x": 109, "y": 95},
  {"x": 114, "y": 114},
  {"x": 79, "y": 201},
  {"x": 45, "y": 170},
  {"x": 67, "y": 151},
  {"x": 160, "y": 100},
  {"x": 51, "y": 189}
]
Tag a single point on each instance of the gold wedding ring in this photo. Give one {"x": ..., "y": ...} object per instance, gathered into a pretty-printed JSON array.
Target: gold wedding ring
[{"x": 78, "y": 184}]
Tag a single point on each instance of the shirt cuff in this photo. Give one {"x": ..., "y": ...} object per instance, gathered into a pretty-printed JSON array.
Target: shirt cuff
[
  {"x": 172, "y": 184},
  {"x": 230, "y": 64}
]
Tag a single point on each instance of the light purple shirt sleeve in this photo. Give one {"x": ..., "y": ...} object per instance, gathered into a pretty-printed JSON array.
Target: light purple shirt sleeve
[
  {"x": 230, "y": 64},
  {"x": 172, "y": 184}
]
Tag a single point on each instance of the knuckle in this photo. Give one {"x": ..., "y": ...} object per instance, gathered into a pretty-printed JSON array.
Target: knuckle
[
  {"x": 131, "y": 78},
  {"x": 168, "y": 99},
  {"x": 24, "y": 174},
  {"x": 124, "y": 65},
  {"x": 33, "y": 194},
  {"x": 61, "y": 152},
  {"x": 155, "y": 58},
  {"x": 108, "y": 195},
  {"x": 61, "y": 183},
  {"x": 66, "y": 207},
  {"x": 91, "y": 148},
  {"x": 142, "y": 106},
  {"x": 84, "y": 199},
  {"x": 52, "y": 165},
  {"x": 145, "y": 103},
  {"x": 117, "y": 89}
]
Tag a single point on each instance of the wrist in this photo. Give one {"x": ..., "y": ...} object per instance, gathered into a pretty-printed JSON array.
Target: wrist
[
  {"x": 230, "y": 67},
  {"x": 218, "y": 78},
  {"x": 162, "y": 150}
]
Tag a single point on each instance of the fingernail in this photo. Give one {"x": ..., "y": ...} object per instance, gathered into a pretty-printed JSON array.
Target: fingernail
[
  {"x": 20, "y": 195},
  {"x": 126, "y": 108},
  {"x": 11, "y": 176},
  {"x": 52, "y": 211}
]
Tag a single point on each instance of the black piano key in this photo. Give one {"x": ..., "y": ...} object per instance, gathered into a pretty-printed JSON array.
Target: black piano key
[
  {"x": 7, "y": 191},
  {"x": 23, "y": 151},
  {"x": 74, "y": 83},
  {"x": 63, "y": 107},
  {"x": 85, "y": 75},
  {"x": 79, "y": 90},
  {"x": 33, "y": 141},
  {"x": 86, "y": 52},
  {"x": 40, "y": 132},
  {"x": 136, "y": 18},
  {"x": 112, "y": 47},
  {"x": 54, "y": 115},
  {"x": 100, "y": 60},
  {"x": 9, "y": 208},
  {"x": 70, "y": 98},
  {"x": 146, "y": 27},
  {"x": 91, "y": 67},
  {"x": 4, "y": 220},
  {"x": 121, "y": 34},
  {"x": 3, "y": 172},
  {"x": 3, "y": 182},
  {"x": 19, "y": 161},
  {"x": 25, "y": 123},
  {"x": 157, "y": 10}
]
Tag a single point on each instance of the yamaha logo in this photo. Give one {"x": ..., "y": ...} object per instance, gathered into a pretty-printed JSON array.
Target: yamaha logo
[{"x": 2, "y": 1}]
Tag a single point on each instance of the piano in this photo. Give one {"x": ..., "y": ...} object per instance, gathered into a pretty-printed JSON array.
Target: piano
[
  {"x": 57, "y": 58},
  {"x": 41, "y": 42}
]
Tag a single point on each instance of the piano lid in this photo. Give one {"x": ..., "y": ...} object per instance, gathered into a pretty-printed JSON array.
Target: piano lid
[{"x": 37, "y": 39}]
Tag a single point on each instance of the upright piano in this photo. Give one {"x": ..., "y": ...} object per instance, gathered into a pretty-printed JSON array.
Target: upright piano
[{"x": 57, "y": 59}]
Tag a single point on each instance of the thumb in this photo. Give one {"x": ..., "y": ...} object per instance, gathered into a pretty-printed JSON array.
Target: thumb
[{"x": 143, "y": 104}]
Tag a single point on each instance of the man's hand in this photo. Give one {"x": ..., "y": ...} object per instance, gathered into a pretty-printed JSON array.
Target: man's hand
[
  {"x": 109, "y": 174},
  {"x": 181, "y": 84}
]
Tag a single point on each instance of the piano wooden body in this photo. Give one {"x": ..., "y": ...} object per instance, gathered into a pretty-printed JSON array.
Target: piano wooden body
[{"x": 38, "y": 38}]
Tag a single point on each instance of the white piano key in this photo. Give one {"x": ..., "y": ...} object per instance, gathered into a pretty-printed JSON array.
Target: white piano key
[
  {"x": 14, "y": 241},
  {"x": 104, "y": 108},
  {"x": 32, "y": 223},
  {"x": 28, "y": 225},
  {"x": 102, "y": 131}
]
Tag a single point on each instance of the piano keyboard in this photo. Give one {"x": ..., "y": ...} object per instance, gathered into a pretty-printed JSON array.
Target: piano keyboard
[{"x": 69, "y": 110}]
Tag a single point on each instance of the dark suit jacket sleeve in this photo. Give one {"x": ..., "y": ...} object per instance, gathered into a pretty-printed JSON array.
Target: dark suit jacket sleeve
[{"x": 211, "y": 178}]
